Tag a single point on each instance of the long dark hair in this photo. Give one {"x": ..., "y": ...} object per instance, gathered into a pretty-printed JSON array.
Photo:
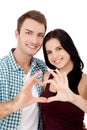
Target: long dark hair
[{"x": 67, "y": 44}]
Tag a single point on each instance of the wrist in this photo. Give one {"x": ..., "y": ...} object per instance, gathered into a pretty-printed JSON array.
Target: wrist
[
  {"x": 72, "y": 97},
  {"x": 16, "y": 105}
]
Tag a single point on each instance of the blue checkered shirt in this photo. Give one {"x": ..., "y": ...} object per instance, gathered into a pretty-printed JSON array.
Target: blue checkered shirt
[{"x": 11, "y": 81}]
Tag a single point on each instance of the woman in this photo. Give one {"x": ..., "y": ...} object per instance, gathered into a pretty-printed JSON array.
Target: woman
[{"x": 66, "y": 80}]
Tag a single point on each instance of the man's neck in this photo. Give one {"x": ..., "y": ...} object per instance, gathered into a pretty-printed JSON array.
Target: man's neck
[{"x": 22, "y": 60}]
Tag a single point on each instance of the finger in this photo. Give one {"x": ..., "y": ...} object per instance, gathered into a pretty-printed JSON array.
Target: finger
[
  {"x": 35, "y": 76},
  {"x": 66, "y": 79},
  {"x": 60, "y": 74},
  {"x": 40, "y": 99},
  {"x": 55, "y": 76},
  {"x": 39, "y": 82},
  {"x": 32, "y": 80},
  {"x": 53, "y": 73},
  {"x": 51, "y": 99},
  {"x": 51, "y": 81},
  {"x": 48, "y": 81}
]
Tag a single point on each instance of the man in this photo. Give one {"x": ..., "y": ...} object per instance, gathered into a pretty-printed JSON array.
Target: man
[{"x": 16, "y": 111}]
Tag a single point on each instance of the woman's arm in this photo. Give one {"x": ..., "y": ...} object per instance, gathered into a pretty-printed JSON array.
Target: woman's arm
[
  {"x": 82, "y": 87},
  {"x": 60, "y": 82}
]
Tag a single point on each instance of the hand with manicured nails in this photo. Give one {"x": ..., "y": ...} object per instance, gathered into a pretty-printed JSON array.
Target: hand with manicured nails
[{"x": 60, "y": 82}]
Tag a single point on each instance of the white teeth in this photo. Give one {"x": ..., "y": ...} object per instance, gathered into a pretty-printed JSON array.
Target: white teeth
[
  {"x": 33, "y": 47},
  {"x": 57, "y": 61}
]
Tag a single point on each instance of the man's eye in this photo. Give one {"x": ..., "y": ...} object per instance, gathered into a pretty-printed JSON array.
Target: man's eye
[
  {"x": 41, "y": 35},
  {"x": 28, "y": 33}
]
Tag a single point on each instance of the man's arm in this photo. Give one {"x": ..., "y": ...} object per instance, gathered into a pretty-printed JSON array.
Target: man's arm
[
  {"x": 6, "y": 108},
  {"x": 23, "y": 99}
]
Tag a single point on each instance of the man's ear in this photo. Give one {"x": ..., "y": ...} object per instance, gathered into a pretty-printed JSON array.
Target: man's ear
[{"x": 16, "y": 34}]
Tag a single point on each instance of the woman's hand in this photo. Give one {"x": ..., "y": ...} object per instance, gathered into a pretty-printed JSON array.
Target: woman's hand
[{"x": 60, "y": 82}]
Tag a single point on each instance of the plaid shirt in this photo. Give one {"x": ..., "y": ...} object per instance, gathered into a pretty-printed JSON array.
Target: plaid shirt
[{"x": 11, "y": 81}]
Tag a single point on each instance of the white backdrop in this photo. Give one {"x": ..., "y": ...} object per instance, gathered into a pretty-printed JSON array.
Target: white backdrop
[{"x": 70, "y": 15}]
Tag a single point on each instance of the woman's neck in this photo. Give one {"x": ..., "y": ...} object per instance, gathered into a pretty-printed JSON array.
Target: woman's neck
[{"x": 67, "y": 68}]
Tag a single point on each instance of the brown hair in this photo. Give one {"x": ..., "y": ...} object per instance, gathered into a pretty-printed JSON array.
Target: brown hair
[{"x": 33, "y": 14}]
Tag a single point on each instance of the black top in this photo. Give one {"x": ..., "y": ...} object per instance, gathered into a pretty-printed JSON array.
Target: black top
[{"x": 63, "y": 115}]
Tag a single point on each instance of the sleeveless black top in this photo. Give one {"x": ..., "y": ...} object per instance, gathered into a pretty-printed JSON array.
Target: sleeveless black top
[{"x": 63, "y": 115}]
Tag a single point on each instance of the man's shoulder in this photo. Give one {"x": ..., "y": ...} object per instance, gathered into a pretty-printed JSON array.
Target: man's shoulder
[
  {"x": 39, "y": 61},
  {"x": 4, "y": 62},
  {"x": 39, "y": 64}
]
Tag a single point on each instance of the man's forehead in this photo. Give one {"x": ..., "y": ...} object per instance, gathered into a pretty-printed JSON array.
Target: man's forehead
[{"x": 33, "y": 25}]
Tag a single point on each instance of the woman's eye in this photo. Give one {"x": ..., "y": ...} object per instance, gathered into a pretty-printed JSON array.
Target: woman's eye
[
  {"x": 59, "y": 48},
  {"x": 49, "y": 52}
]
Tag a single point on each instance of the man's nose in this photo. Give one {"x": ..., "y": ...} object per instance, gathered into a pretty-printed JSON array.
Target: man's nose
[{"x": 34, "y": 39}]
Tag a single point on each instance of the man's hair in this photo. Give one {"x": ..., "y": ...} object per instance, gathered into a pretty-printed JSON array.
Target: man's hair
[{"x": 33, "y": 14}]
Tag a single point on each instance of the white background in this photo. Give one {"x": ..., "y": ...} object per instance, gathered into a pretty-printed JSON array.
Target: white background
[{"x": 70, "y": 15}]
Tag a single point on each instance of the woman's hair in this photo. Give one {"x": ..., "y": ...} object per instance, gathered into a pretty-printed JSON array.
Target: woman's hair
[
  {"x": 33, "y": 14},
  {"x": 67, "y": 44}
]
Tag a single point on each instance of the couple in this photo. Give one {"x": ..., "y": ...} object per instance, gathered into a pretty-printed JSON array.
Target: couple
[{"x": 25, "y": 81}]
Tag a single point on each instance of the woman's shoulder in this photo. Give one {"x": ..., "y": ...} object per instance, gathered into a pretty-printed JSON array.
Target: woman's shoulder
[
  {"x": 84, "y": 75},
  {"x": 82, "y": 88},
  {"x": 84, "y": 78}
]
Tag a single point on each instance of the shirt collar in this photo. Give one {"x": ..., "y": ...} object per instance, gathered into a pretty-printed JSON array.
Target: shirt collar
[
  {"x": 17, "y": 67},
  {"x": 13, "y": 62}
]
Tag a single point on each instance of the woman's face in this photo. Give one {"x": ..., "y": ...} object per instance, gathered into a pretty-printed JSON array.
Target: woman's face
[{"x": 57, "y": 55}]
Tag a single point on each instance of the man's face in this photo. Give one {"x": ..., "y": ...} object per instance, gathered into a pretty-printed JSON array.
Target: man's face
[{"x": 31, "y": 37}]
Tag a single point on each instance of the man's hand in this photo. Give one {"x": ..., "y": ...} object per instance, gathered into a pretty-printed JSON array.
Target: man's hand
[{"x": 25, "y": 97}]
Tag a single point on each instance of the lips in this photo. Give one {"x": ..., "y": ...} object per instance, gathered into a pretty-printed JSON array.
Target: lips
[
  {"x": 32, "y": 46},
  {"x": 58, "y": 60}
]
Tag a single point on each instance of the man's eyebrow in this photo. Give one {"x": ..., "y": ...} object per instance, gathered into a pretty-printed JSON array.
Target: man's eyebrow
[
  {"x": 41, "y": 33},
  {"x": 28, "y": 30},
  {"x": 32, "y": 31}
]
